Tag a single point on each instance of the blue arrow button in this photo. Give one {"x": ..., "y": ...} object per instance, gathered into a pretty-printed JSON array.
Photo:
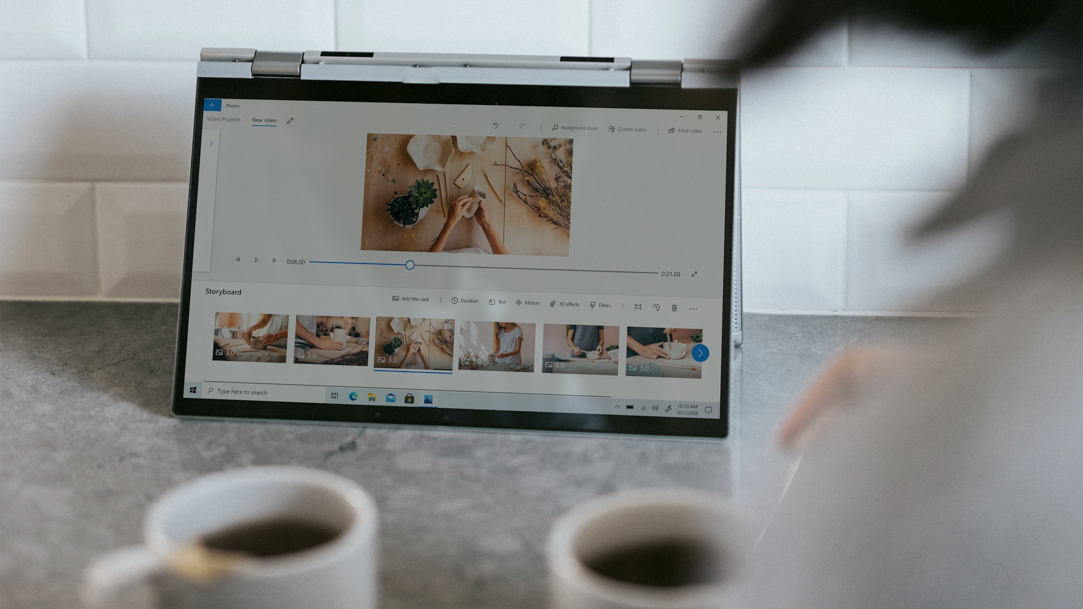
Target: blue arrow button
[{"x": 700, "y": 353}]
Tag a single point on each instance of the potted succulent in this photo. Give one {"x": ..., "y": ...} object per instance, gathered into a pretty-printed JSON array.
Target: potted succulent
[
  {"x": 613, "y": 351},
  {"x": 391, "y": 346},
  {"x": 408, "y": 209},
  {"x": 697, "y": 337}
]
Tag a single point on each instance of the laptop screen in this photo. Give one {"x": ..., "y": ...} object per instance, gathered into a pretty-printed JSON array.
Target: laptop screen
[{"x": 484, "y": 256}]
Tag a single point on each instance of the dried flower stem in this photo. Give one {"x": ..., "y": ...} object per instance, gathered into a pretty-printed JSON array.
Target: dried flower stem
[{"x": 549, "y": 199}]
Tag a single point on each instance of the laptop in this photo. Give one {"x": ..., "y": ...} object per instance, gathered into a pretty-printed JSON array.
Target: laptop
[{"x": 421, "y": 240}]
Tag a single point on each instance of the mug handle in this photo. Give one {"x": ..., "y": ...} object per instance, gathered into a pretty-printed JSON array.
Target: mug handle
[{"x": 122, "y": 579}]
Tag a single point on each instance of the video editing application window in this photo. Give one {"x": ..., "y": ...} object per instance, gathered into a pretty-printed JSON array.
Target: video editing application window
[{"x": 458, "y": 256}]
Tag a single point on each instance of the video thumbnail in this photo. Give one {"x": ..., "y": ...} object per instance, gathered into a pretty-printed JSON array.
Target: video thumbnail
[
  {"x": 580, "y": 349},
  {"x": 663, "y": 352},
  {"x": 501, "y": 346},
  {"x": 414, "y": 343},
  {"x": 467, "y": 194},
  {"x": 326, "y": 339},
  {"x": 250, "y": 337}
]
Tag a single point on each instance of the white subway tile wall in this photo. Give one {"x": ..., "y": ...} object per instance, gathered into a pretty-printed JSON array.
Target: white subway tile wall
[
  {"x": 96, "y": 120},
  {"x": 886, "y": 270},
  {"x": 845, "y": 144},
  {"x": 160, "y": 29},
  {"x": 855, "y": 128},
  {"x": 43, "y": 29},
  {"x": 141, "y": 238},
  {"x": 554, "y": 27},
  {"x": 677, "y": 29},
  {"x": 48, "y": 245},
  {"x": 795, "y": 249}
]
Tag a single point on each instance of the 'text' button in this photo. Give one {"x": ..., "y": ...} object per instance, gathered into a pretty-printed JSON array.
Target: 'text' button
[{"x": 700, "y": 353}]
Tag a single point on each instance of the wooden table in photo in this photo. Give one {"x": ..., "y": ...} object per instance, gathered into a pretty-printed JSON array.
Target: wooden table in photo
[
  {"x": 387, "y": 160},
  {"x": 601, "y": 367},
  {"x": 390, "y": 171}
]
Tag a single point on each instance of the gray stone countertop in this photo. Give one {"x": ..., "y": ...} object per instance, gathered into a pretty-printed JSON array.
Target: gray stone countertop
[{"x": 87, "y": 443}]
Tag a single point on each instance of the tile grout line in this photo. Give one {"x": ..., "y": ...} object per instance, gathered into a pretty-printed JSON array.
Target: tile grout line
[
  {"x": 845, "y": 266},
  {"x": 969, "y": 126},
  {"x": 590, "y": 28},
  {"x": 86, "y": 30},
  {"x": 846, "y": 55},
  {"x": 97, "y": 239}
]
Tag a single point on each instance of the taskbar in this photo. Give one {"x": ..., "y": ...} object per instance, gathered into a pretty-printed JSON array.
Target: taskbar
[{"x": 457, "y": 400}]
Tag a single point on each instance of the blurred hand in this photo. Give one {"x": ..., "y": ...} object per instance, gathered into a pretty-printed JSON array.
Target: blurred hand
[{"x": 843, "y": 378}]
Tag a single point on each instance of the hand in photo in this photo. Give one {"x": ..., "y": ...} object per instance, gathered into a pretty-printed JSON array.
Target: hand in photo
[
  {"x": 409, "y": 361},
  {"x": 235, "y": 339},
  {"x": 482, "y": 218},
  {"x": 328, "y": 344},
  {"x": 458, "y": 208},
  {"x": 652, "y": 351},
  {"x": 454, "y": 214}
]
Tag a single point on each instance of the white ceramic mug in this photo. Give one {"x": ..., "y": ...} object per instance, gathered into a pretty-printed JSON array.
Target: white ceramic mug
[
  {"x": 628, "y": 519},
  {"x": 337, "y": 574}
]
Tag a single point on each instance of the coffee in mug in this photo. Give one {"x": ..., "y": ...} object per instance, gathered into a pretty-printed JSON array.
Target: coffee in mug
[
  {"x": 664, "y": 563},
  {"x": 266, "y": 537},
  {"x": 270, "y": 537},
  {"x": 646, "y": 549}
]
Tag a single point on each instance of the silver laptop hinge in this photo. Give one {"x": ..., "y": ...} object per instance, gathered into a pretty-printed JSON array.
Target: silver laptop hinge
[
  {"x": 233, "y": 55},
  {"x": 655, "y": 72},
  {"x": 277, "y": 64}
]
